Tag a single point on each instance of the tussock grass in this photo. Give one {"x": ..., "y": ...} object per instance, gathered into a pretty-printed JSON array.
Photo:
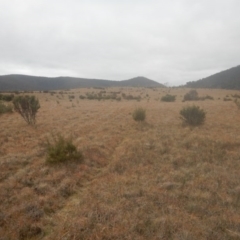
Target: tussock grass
[{"x": 154, "y": 181}]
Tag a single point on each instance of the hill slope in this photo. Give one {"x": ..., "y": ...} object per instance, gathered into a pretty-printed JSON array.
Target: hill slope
[
  {"x": 30, "y": 83},
  {"x": 228, "y": 79}
]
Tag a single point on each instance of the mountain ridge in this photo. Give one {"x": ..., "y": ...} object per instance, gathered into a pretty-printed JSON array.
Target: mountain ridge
[
  {"x": 227, "y": 79},
  {"x": 19, "y": 82}
]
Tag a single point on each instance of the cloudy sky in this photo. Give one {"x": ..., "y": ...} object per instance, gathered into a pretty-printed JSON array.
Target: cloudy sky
[{"x": 170, "y": 42}]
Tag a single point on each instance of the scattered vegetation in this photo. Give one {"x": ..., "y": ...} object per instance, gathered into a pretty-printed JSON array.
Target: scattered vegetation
[
  {"x": 192, "y": 95},
  {"x": 27, "y": 107},
  {"x": 62, "y": 150},
  {"x": 193, "y": 115},
  {"x": 163, "y": 182},
  {"x": 139, "y": 114},
  {"x": 168, "y": 98}
]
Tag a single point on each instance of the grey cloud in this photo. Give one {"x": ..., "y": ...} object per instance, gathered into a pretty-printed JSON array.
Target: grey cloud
[{"x": 171, "y": 42}]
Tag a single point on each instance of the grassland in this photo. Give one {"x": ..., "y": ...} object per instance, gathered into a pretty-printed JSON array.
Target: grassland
[{"x": 151, "y": 180}]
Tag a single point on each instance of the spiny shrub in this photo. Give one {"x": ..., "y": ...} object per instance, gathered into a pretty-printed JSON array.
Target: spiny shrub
[
  {"x": 193, "y": 115},
  {"x": 5, "y": 108},
  {"x": 168, "y": 98},
  {"x": 191, "y": 96},
  {"x": 27, "y": 107},
  {"x": 62, "y": 150},
  {"x": 139, "y": 114}
]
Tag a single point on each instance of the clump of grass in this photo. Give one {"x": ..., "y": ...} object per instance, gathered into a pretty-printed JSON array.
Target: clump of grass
[
  {"x": 168, "y": 98},
  {"x": 5, "y": 108},
  {"x": 139, "y": 114},
  {"x": 62, "y": 150},
  {"x": 193, "y": 115}
]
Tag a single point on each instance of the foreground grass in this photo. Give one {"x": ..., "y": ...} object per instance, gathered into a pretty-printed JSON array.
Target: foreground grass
[{"x": 152, "y": 180}]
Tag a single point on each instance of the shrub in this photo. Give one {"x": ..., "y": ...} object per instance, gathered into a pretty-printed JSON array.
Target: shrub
[
  {"x": 191, "y": 96},
  {"x": 193, "y": 115},
  {"x": 27, "y": 107},
  {"x": 62, "y": 150},
  {"x": 168, "y": 98},
  {"x": 139, "y": 114},
  {"x": 5, "y": 108}
]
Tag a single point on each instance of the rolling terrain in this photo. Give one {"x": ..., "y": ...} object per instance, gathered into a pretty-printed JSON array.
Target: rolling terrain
[{"x": 155, "y": 179}]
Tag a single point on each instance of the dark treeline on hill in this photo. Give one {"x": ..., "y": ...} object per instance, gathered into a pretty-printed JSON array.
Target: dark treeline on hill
[
  {"x": 228, "y": 79},
  {"x": 33, "y": 83}
]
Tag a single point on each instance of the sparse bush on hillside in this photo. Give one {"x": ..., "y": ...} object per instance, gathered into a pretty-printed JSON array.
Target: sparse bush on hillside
[
  {"x": 62, "y": 150},
  {"x": 139, "y": 114},
  {"x": 193, "y": 115},
  {"x": 5, "y": 108},
  {"x": 192, "y": 95},
  {"x": 168, "y": 98},
  {"x": 27, "y": 107}
]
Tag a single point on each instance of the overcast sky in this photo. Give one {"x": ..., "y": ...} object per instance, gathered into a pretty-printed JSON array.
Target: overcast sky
[{"x": 170, "y": 42}]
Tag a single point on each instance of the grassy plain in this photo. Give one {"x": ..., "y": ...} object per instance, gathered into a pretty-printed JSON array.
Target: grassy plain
[{"x": 150, "y": 180}]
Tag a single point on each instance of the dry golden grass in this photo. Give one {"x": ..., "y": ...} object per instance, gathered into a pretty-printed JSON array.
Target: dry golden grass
[{"x": 150, "y": 180}]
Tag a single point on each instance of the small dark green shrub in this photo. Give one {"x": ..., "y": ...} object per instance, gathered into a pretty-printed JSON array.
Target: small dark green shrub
[
  {"x": 5, "y": 108},
  {"x": 168, "y": 98},
  {"x": 192, "y": 95},
  {"x": 193, "y": 115},
  {"x": 227, "y": 99},
  {"x": 62, "y": 150},
  {"x": 27, "y": 107},
  {"x": 139, "y": 114}
]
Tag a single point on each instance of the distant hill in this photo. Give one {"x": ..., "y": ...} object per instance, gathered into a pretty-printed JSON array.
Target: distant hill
[
  {"x": 228, "y": 79},
  {"x": 33, "y": 83}
]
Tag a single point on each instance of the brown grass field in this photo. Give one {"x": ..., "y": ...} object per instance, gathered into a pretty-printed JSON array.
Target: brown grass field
[{"x": 152, "y": 180}]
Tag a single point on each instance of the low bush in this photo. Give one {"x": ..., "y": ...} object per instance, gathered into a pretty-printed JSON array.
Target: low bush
[
  {"x": 193, "y": 115},
  {"x": 139, "y": 114},
  {"x": 5, "y": 108},
  {"x": 27, "y": 107},
  {"x": 62, "y": 150},
  {"x": 168, "y": 98},
  {"x": 192, "y": 95}
]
